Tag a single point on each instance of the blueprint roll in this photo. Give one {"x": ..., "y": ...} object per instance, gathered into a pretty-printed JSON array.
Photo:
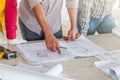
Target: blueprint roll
[
  {"x": 55, "y": 71},
  {"x": 12, "y": 73},
  {"x": 116, "y": 31}
]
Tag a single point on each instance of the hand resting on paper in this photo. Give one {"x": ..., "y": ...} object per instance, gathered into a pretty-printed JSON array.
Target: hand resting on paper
[{"x": 71, "y": 38}]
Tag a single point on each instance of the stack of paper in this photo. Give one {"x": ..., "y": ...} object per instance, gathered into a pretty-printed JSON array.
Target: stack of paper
[
  {"x": 37, "y": 53},
  {"x": 110, "y": 63},
  {"x": 111, "y": 68}
]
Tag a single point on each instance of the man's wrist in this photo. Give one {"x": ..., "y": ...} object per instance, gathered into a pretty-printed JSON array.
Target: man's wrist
[
  {"x": 48, "y": 34},
  {"x": 83, "y": 32},
  {"x": 73, "y": 28}
]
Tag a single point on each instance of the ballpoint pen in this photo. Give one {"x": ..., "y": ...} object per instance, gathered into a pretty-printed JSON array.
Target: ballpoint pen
[{"x": 63, "y": 47}]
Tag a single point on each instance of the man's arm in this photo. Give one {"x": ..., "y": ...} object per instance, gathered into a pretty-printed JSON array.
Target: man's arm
[
  {"x": 72, "y": 15},
  {"x": 84, "y": 11},
  {"x": 51, "y": 41},
  {"x": 72, "y": 6}
]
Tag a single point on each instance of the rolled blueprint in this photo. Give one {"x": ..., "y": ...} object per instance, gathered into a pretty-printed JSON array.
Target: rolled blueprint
[
  {"x": 116, "y": 31},
  {"x": 55, "y": 71},
  {"x": 12, "y": 73}
]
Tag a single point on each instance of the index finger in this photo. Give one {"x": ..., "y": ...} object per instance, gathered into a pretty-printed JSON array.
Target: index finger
[
  {"x": 58, "y": 49},
  {"x": 69, "y": 37},
  {"x": 65, "y": 38}
]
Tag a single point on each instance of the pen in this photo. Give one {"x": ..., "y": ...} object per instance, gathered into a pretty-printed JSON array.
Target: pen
[{"x": 63, "y": 47}]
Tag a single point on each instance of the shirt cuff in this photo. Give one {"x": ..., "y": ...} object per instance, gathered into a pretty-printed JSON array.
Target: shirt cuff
[
  {"x": 83, "y": 32},
  {"x": 72, "y": 3},
  {"x": 32, "y": 3}
]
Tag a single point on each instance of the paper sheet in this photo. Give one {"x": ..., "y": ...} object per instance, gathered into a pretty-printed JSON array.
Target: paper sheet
[
  {"x": 56, "y": 70},
  {"x": 110, "y": 55},
  {"x": 37, "y": 53},
  {"x": 111, "y": 68},
  {"x": 12, "y": 73},
  {"x": 115, "y": 72},
  {"x": 116, "y": 31},
  {"x": 38, "y": 68},
  {"x": 1, "y": 75},
  {"x": 83, "y": 47}
]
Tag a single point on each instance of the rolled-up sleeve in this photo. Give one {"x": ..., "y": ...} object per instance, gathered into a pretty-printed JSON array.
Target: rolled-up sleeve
[
  {"x": 84, "y": 16},
  {"x": 72, "y": 3},
  {"x": 32, "y": 3}
]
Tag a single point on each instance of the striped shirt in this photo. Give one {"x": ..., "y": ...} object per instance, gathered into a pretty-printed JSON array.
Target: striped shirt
[
  {"x": 93, "y": 8},
  {"x": 52, "y": 9}
]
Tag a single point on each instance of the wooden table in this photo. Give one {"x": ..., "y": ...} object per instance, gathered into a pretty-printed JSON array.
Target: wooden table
[{"x": 81, "y": 68}]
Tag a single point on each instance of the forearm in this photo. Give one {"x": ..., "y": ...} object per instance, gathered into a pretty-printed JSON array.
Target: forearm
[
  {"x": 50, "y": 40},
  {"x": 11, "y": 13},
  {"x": 84, "y": 15},
  {"x": 72, "y": 15},
  {"x": 41, "y": 18}
]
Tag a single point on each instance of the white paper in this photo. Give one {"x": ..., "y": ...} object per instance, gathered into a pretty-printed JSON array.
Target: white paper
[
  {"x": 116, "y": 31},
  {"x": 115, "y": 72},
  {"x": 83, "y": 47},
  {"x": 37, "y": 53},
  {"x": 39, "y": 69},
  {"x": 111, "y": 55},
  {"x": 56, "y": 70},
  {"x": 1, "y": 76},
  {"x": 111, "y": 68},
  {"x": 12, "y": 73}
]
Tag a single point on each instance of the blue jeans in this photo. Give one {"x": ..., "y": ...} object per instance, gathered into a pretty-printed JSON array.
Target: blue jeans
[
  {"x": 104, "y": 25},
  {"x": 30, "y": 35}
]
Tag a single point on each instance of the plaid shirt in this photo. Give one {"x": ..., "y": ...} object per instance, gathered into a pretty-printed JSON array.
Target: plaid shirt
[{"x": 93, "y": 8}]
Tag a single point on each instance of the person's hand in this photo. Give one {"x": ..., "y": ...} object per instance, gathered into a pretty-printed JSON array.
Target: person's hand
[
  {"x": 52, "y": 43},
  {"x": 71, "y": 35},
  {"x": 77, "y": 35}
]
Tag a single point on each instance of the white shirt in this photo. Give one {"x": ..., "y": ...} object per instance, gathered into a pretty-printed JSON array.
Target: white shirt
[{"x": 52, "y": 10}]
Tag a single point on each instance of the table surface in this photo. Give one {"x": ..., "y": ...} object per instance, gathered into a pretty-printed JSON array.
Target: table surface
[{"x": 80, "y": 68}]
